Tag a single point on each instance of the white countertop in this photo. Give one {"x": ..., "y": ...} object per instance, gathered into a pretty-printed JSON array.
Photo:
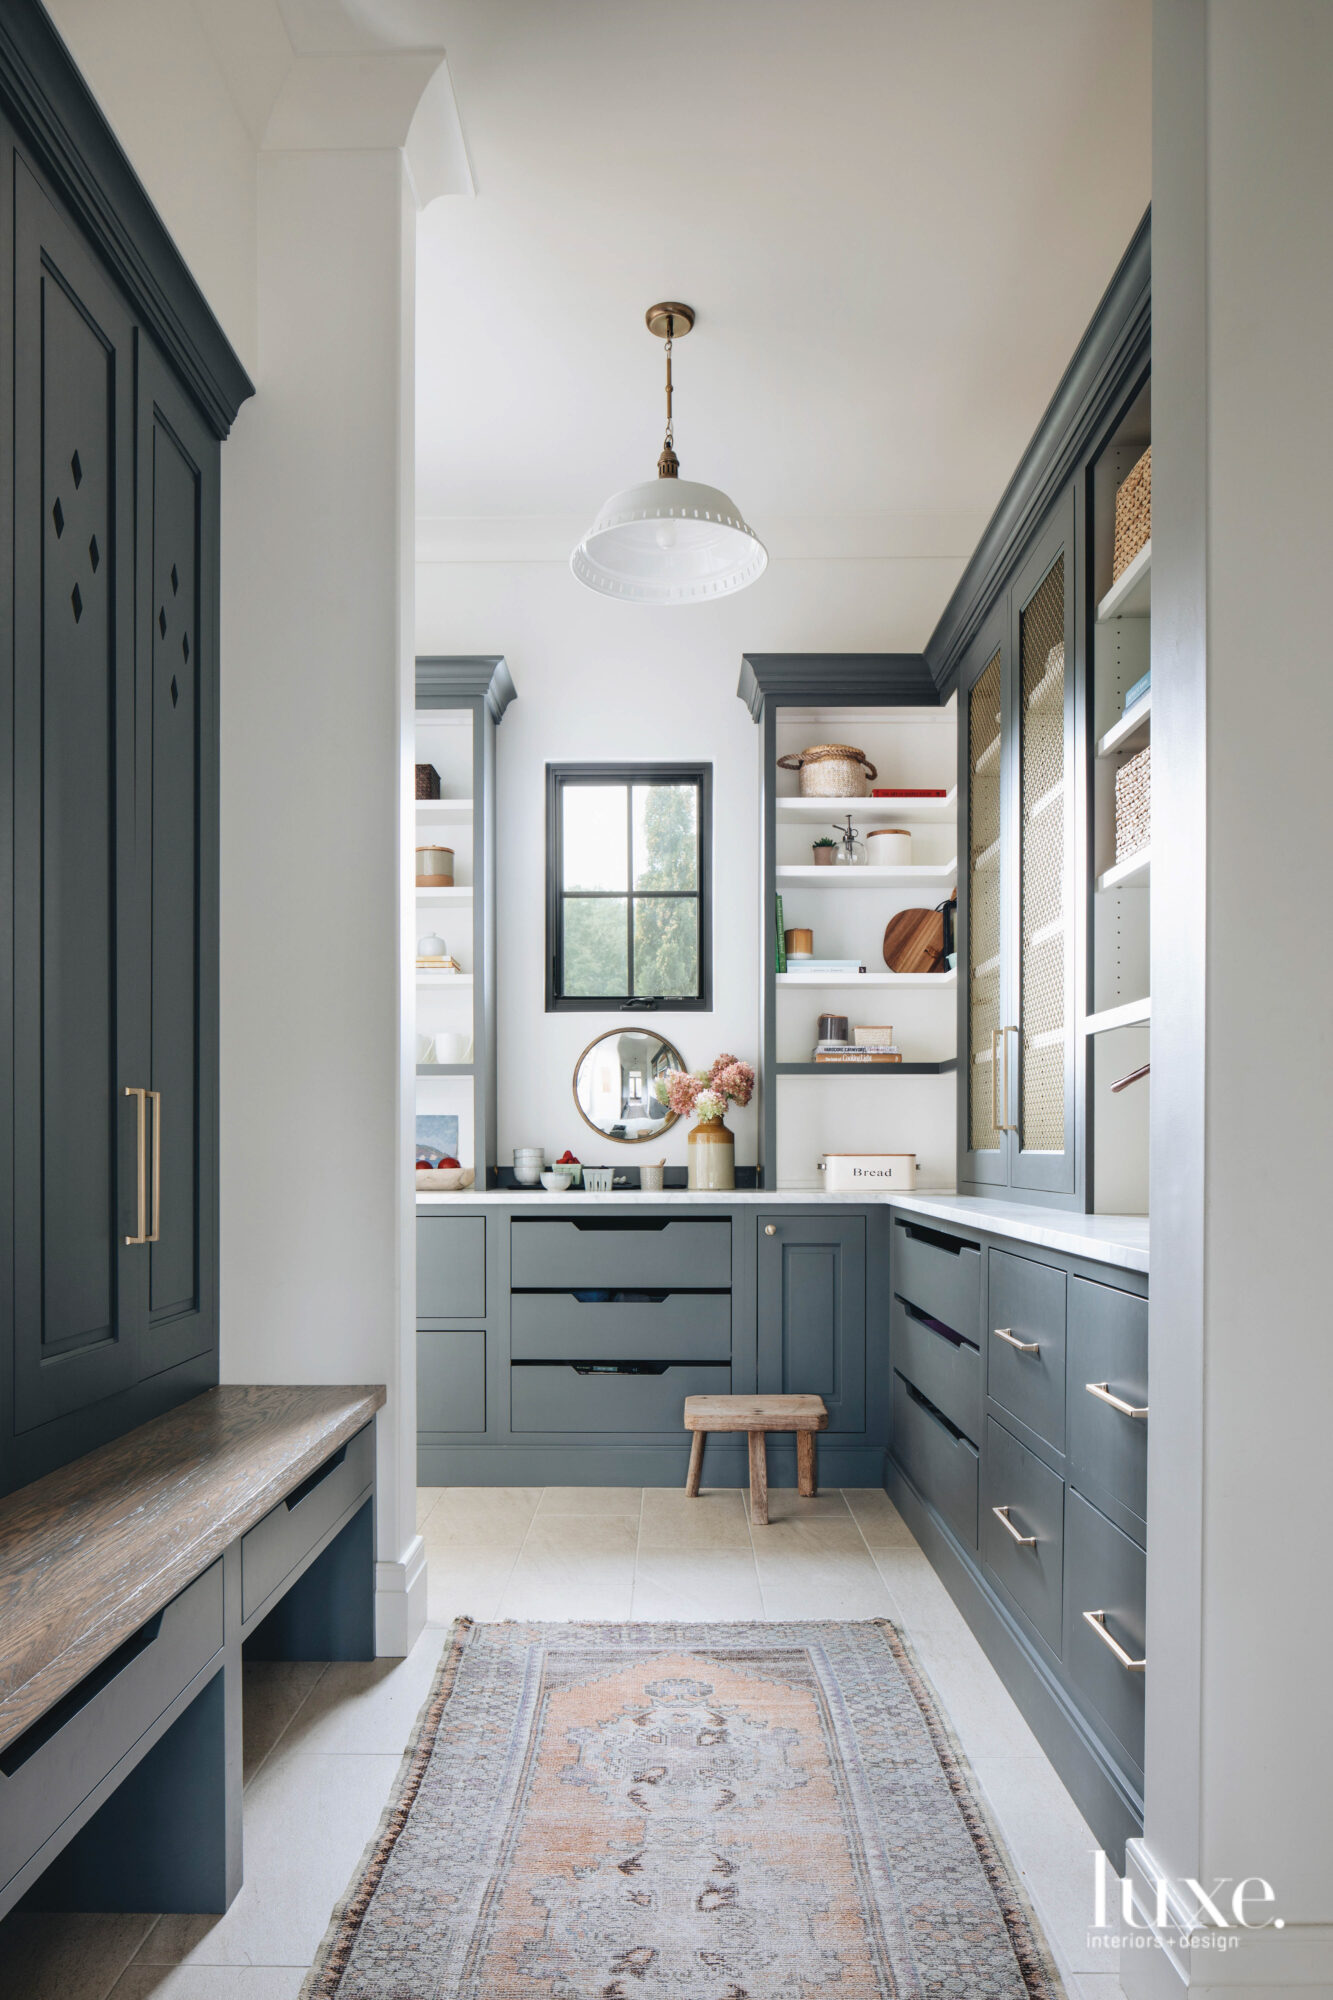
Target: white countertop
[{"x": 1121, "y": 1240}]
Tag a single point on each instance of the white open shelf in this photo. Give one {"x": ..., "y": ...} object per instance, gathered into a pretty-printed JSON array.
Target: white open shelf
[
  {"x": 1130, "y": 596},
  {"x": 1136, "y": 873},
  {"x": 429, "y": 975},
  {"x": 1132, "y": 1014},
  {"x": 454, "y": 895},
  {"x": 1131, "y": 732},
  {"x": 887, "y": 810},
  {"x": 845, "y": 981},
  {"x": 864, "y": 876},
  {"x": 444, "y": 808}
]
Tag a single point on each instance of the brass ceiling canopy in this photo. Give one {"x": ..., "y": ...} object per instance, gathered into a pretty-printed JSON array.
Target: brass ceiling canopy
[{"x": 669, "y": 322}]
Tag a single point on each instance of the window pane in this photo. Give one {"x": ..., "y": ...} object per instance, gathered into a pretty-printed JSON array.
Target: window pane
[
  {"x": 596, "y": 951},
  {"x": 666, "y": 838},
  {"x": 595, "y": 839},
  {"x": 666, "y": 946}
]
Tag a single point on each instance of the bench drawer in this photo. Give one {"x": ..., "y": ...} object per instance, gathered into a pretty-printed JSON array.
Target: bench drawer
[
  {"x": 604, "y": 1253},
  {"x": 677, "y": 1326},
  {"x": 48, "y": 1772},
  {"x": 938, "y": 1273},
  {"x": 1027, "y": 1304},
  {"x": 1031, "y": 1571},
  {"x": 941, "y": 1364},
  {"x": 1108, "y": 1450},
  {"x": 1105, "y": 1571},
  {"x": 451, "y": 1380},
  {"x": 938, "y": 1460},
  {"x": 286, "y": 1535},
  {"x": 451, "y": 1267},
  {"x": 563, "y": 1398}
]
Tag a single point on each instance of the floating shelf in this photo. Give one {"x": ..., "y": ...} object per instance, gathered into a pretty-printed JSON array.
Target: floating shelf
[
  {"x": 444, "y": 1069},
  {"x": 863, "y": 876},
  {"x": 863, "y": 1069},
  {"x": 428, "y": 976},
  {"x": 1132, "y": 1014},
  {"x": 813, "y": 982},
  {"x": 444, "y": 809},
  {"x": 1130, "y": 596},
  {"x": 1131, "y": 732},
  {"x": 457, "y": 895},
  {"x": 1136, "y": 873},
  {"x": 876, "y": 809}
]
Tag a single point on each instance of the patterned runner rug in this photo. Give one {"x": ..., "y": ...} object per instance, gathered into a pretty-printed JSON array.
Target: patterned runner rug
[{"x": 683, "y": 1812}]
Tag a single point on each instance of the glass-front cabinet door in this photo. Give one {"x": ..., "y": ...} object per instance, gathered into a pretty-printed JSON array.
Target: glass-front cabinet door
[{"x": 983, "y": 695}]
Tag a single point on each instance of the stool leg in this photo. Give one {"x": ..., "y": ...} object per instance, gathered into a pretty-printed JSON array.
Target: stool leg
[
  {"x": 759, "y": 1478},
  {"x": 696, "y": 1465},
  {"x": 806, "y": 1480}
]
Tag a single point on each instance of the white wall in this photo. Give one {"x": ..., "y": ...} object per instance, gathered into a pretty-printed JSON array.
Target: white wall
[{"x": 597, "y": 679}]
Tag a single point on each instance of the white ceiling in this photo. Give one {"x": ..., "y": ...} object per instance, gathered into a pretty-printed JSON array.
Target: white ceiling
[{"x": 893, "y": 217}]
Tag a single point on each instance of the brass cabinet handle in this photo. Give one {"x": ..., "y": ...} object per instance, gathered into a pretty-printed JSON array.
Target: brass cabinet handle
[
  {"x": 156, "y": 1230},
  {"x": 1097, "y": 1620},
  {"x": 770, "y": 1229},
  {"x": 1023, "y": 1346},
  {"x": 1024, "y": 1541},
  {"x": 996, "y": 1125},
  {"x": 1104, "y": 1394},
  {"x": 141, "y": 1166},
  {"x": 1010, "y": 1125}
]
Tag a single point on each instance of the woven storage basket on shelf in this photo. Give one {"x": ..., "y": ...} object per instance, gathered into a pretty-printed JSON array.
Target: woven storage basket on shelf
[
  {"x": 428, "y": 782},
  {"x": 1133, "y": 805},
  {"x": 1133, "y": 514},
  {"x": 831, "y": 771}
]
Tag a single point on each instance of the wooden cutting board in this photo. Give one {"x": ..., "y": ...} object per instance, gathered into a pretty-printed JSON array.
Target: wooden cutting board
[{"x": 914, "y": 941}]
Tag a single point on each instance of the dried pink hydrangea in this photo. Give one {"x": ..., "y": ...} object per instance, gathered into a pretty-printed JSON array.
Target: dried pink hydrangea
[{"x": 733, "y": 1079}]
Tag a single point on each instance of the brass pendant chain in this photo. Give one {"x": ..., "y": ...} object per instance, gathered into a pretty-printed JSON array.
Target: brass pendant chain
[{"x": 668, "y": 465}]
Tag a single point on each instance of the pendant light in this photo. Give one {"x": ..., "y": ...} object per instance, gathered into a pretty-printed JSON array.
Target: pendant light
[{"x": 669, "y": 540}]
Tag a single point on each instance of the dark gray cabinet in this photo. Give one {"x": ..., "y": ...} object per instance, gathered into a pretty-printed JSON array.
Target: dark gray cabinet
[{"x": 812, "y": 1311}]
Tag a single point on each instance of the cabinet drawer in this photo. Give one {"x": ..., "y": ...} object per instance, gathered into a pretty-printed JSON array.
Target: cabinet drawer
[
  {"x": 941, "y": 1364},
  {"x": 1105, "y": 1571},
  {"x": 451, "y": 1267},
  {"x": 561, "y": 1398},
  {"x": 287, "y": 1534},
  {"x": 676, "y": 1326},
  {"x": 1027, "y": 1304},
  {"x": 451, "y": 1380},
  {"x": 605, "y": 1253},
  {"x": 50, "y": 1770},
  {"x": 1108, "y": 1451},
  {"x": 938, "y": 1460},
  {"x": 938, "y": 1273},
  {"x": 1032, "y": 1572}
]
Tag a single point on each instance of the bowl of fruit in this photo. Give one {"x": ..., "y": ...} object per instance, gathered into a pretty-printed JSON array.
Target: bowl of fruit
[
  {"x": 442, "y": 1176},
  {"x": 569, "y": 1166}
]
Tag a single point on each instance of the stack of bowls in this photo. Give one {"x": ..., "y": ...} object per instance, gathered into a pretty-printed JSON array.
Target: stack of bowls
[{"x": 529, "y": 1162}]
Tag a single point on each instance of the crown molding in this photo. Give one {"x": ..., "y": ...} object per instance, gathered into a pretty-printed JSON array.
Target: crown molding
[
  {"x": 845, "y": 680},
  {"x": 444, "y": 680}
]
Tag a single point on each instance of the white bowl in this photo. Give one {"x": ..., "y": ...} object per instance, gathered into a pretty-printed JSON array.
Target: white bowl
[
  {"x": 444, "y": 1180},
  {"x": 555, "y": 1183}
]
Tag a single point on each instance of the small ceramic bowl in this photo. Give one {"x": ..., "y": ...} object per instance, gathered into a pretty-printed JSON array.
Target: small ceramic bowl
[{"x": 555, "y": 1183}]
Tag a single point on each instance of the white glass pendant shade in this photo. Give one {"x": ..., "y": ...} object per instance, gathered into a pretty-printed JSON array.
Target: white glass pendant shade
[{"x": 669, "y": 541}]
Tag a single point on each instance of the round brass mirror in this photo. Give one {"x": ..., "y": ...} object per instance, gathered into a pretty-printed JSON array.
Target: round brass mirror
[{"x": 613, "y": 1085}]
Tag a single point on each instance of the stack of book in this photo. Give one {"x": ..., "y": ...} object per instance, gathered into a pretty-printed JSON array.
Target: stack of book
[
  {"x": 824, "y": 967},
  {"x": 857, "y": 1052},
  {"x": 1136, "y": 693},
  {"x": 437, "y": 964}
]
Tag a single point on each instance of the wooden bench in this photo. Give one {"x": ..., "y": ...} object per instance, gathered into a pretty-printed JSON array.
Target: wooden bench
[
  {"x": 130, "y": 1580},
  {"x": 757, "y": 1415}
]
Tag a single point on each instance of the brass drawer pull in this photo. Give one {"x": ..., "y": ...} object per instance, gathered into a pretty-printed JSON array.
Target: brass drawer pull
[
  {"x": 1097, "y": 1620},
  {"x": 1024, "y": 1541},
  {"x": 1023, "y": 1346},
  {"x": 1104, "y": 1394},
  {"x": 156, "y": 1230},
  {"x": 770, "y": 1229},
  {"x": 141, "y": 1164}
]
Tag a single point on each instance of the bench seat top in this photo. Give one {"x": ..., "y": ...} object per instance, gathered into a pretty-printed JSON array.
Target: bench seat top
[
  {"x": 92, "y": 1550},
  {"x": 755, "y": 1413}
]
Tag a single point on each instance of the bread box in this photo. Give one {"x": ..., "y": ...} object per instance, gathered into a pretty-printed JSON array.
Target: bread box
[{"x": 846, "y": 1173}]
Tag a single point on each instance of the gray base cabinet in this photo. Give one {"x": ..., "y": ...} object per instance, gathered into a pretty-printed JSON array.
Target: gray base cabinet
[
  {"x": 557, "y": 1341},
  {"x": 1018, "y": 1454}
]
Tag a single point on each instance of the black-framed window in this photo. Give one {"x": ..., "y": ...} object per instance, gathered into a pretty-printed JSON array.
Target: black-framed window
[{"x": 628, "y": 888}]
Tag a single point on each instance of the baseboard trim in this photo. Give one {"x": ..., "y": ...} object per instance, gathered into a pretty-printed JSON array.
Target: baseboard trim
[
  {"x": 583, "y": 1464},
  {"x": 400, "y": 1602},
  {"x": 1190, "y": 1955}
]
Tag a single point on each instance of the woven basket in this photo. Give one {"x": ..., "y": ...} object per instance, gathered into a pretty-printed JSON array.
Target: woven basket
[
  {"x": 831, "y": 771},
  {"x": 1133, "y": 514},
  {"x": 1133, "y": 805}
]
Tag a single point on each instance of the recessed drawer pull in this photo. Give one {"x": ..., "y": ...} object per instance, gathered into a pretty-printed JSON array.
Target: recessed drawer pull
[
  {"x": 1097, "y": 1620},
  {"x": 1102, "y": 1391},
  {"x": 1023, "y": 1346},
  {"x": 1024, "y": 1541}
]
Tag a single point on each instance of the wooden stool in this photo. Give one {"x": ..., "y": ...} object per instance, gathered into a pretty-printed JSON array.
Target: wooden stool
[{"x": 757, "y": 1415}]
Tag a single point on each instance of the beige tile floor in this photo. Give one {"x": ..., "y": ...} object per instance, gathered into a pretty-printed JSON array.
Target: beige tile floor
[{"x": 322, "y": 1743}]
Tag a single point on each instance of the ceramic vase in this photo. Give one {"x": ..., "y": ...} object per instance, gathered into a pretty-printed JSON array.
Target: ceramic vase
[{"x": 712, "y": 1155}]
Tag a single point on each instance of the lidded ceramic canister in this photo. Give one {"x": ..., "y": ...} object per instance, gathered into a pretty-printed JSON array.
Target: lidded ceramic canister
[
  {"x": 435, "y": 868},
  {"x": 889, "y": 847}
]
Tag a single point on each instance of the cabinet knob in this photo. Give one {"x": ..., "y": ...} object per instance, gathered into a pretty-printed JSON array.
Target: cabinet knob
[{"x": 770, "y": 1229}]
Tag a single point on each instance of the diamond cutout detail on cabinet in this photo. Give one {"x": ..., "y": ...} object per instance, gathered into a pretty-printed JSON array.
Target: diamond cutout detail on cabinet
[
  {"x": 94, "y": 553},
  {"x": 77, "y": 602},
  {"x": 162, "y": 620},
  {"x": 58, "y": 517},
  {"x": 175, "y": 581},
  {"x": 76, "y": 469},
  {"x": 175, "y": 691},
  {"x": 185, "y": 647}
]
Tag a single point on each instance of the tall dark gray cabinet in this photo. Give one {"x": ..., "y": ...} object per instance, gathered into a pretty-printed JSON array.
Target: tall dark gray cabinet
[{"x": 116, "y": 387}]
